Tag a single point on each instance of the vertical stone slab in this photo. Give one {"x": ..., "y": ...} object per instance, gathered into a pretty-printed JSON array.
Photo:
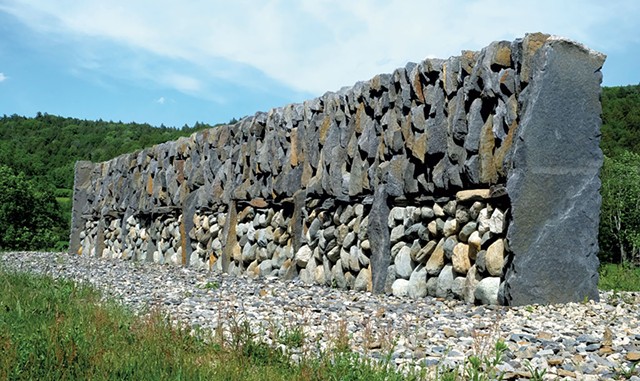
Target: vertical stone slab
[
  {"x": 184, "y": 238},
  {"x": 154, "y": 239},
  {"x": 297, "y": 219},
  {"x": 100, "y": 244},
  {"x": 229, "y": 235},
  {"x": 81, "y": 184},
  {"x": 188, "y": 211},
  {"x": 379, "y": 238},
  {"x": 553, "y": 182}
]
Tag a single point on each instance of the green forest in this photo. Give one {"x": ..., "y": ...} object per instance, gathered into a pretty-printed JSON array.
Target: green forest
[{"x": 37, "y": 156}]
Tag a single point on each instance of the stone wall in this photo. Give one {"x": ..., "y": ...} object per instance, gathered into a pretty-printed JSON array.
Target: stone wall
[{"x": 474, "y": 177}]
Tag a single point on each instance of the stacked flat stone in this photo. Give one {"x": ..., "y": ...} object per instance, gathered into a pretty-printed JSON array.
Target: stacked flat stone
[{"x": 347, "y": 189}]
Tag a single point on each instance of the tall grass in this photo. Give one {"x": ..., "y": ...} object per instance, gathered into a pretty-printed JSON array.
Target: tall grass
[
  {"x": 55, "y": 329},
  {"x": 58, "y": 330}
]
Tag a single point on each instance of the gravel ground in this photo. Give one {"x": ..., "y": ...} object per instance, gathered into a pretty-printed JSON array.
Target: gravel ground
[{"x": 584, "y": 341}]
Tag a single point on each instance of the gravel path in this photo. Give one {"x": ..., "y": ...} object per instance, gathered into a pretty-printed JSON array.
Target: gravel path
[{"x": 585, "y": 341}]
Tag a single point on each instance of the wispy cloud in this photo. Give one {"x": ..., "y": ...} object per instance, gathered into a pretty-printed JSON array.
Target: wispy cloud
[
  {"x": 161, "y": 100},
  {"x": 181, "y": 82},
  {"x": 3, "y": 77},
  {"x": 310, "y": 45}
]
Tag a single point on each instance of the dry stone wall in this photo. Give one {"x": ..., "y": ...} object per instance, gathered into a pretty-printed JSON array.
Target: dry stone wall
[{"x": 474, "y": 177}]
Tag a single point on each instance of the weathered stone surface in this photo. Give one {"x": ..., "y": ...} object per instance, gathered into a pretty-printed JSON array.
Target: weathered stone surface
[
  {"x": 265, "y": 267},
  {"x": 483, "y": 221},
  {"x": 470, "y": 283},
  {"x": 487, "y": 290},
  {"x": 449, "y": 243},
  {"x": 436, "y": 260},
  {"x": 530, "y": 45},
  {"x": 319, "y": 275},
  {"x": 450, "y": 227},
  {"x": 337, "y": 275},
  {"x": 497, "y": 222},
  {"x": 303, "y": 256},
  {"x": 457, "y": 287},
  {"x": 248, "y": 253},
  {"x": 417, "y": 287},
  {"x": 378, "y": 233},
  {"x": 475, "y": 241},
  {"x": 481, "y": 261},
  {"x": 445, "y": 282},
  {"x": 432, "y": 286},
  {"x": 488, "y": 171},
  {"x": 450, "y": 208},
  {"x": 467, "y": 230},
  {"x": 425, "y": 252},
  {"x": 334, "y": 253},
  {"x": 389, "y": 279},
  {"x": 403, "y": 262},
  {"x": 494, "y": 259},
  {"x": 349, "y": 240},
  {"x": 556, "y": 169},
  {"x": 306, "y": 276},
  {"x": 400, "y": 287},
  {"x": 288, "y": 270},
  {"x": 363, "y": 280},
  {"x": 473, "y": 195},
  {"x": 355, "y": 255},
  {"x": 396, "y": 234},
  {"x": 432, "y": 227},
  {"x": 460, "y": 259}
]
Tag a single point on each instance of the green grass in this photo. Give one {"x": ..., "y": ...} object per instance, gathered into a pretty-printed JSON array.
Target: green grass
[
  {"x": 55, "y": 329},
  {"x": 617, "y": 277}
]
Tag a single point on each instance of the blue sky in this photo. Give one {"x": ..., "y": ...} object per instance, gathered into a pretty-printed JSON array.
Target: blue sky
[{"x": 178, "y": 62}]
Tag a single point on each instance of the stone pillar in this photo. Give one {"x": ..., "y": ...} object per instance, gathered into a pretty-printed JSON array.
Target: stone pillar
[
  {"x": 188, "y": 211},
  {"x": 81, "y": 184},
  {"x": 553, "y": 181},
  {"x": 229, "y": 236},
  {"x": 379, "y": 237}
]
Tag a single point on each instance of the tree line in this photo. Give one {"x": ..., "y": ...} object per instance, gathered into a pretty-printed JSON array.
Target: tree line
[
  {"x": 37, "y": 157},
  {"x": 619, "y": 235}
]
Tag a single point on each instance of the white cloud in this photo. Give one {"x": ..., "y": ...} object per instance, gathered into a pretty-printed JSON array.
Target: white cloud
[
  {"x": 181, "y": 82},
  {"x": 3, "y": 77},
  {"x": 315, "y": 45},
  {"x": 160, "y": 100}
]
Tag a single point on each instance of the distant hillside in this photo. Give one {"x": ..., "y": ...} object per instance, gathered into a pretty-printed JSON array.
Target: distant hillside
[{"x": 47, "y": 146}]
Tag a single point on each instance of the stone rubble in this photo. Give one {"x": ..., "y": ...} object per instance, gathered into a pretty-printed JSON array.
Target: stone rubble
[{"x": 581, "y": 341}]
